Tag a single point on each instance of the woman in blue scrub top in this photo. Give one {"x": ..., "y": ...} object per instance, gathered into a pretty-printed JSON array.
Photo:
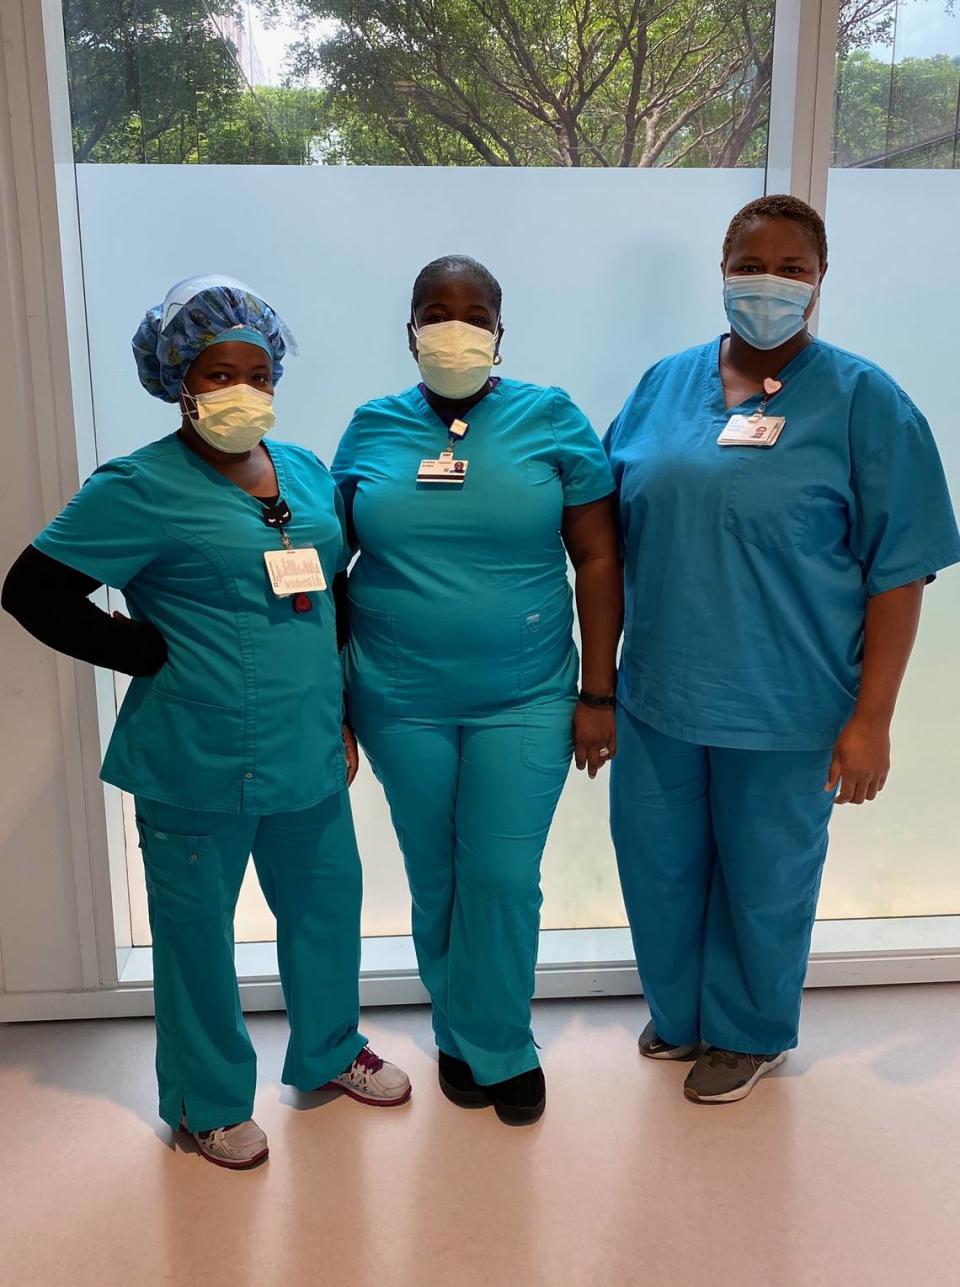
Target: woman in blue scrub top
[
  {"x": 782, "y": 506},
  {"x": 464, "y": 495},
  {"x": 231, "y": 736}
]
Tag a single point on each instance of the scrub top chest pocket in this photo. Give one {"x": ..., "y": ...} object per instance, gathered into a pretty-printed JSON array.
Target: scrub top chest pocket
[{"x": 769, "y": 498}]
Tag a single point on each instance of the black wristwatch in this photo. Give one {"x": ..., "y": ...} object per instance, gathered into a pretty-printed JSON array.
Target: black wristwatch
[{"x": 596, "y": 700}]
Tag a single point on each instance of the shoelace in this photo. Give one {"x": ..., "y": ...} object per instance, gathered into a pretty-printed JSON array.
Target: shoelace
[
  {"x": 368, "y": 1062},
  {"x": 727, "y": 1057},
  {"x": 217, "y": 1139}
]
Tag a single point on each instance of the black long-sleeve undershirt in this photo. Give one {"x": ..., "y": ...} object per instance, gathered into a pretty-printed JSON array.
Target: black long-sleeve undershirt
[{"x": 51, "y": 601}]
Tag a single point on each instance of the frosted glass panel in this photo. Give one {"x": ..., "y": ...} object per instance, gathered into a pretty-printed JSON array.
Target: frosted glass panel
[
  {"x": 893, "y": 294},
  {"x": 603, "y": 273}
]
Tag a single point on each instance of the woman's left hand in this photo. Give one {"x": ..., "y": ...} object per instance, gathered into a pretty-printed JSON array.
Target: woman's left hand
[
  {"x": 861, "y": 761},
  {"x": 594, "y": 737},
  {"x": 352, "y": 752}
]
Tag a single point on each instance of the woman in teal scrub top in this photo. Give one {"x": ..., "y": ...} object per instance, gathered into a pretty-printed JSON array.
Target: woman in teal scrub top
[
  {"x": 782, "y": 506},
  {"x": 464, "y": 495},
  {"x": 231, "y": 736}
]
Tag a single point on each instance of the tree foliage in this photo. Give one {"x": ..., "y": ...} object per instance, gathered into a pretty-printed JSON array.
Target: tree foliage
[
  {"x": 904, "y": 115},
  {"x": 547, "y": 82},
  {"x": 616, "y": 83},
  {"x": 142, "y": 73}
]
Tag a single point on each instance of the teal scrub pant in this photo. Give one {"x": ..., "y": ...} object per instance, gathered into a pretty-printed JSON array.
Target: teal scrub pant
[
  {"x": 309, "y": 870},
  {"x": 472, "y": 803},
  {"x": 720, "y": 854}
]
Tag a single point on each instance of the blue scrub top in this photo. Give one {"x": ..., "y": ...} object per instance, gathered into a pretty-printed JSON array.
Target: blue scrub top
[
  {"x": 459, "y": 602},
  {"x": 748, "y": 568},
  {"x": 245, "y": 717}
]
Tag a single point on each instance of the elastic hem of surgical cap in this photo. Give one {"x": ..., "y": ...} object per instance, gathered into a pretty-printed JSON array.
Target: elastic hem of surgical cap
[{"x": 242, "y": 335}]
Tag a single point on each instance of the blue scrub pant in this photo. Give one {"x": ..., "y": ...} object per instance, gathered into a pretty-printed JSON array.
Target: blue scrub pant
[
  {"x": 472, "y": 803},
  {"x": 309, "y": 870},
  {"x": 720, "y": 854}
]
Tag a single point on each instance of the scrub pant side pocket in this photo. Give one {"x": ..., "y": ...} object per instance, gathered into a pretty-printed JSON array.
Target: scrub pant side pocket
[
  {"x": 205, "y": 1061},
  {"x": 546, "y": 741}
]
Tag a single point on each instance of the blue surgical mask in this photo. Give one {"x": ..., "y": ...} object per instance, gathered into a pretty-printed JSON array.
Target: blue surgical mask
[{"x": 764, "y": 309}]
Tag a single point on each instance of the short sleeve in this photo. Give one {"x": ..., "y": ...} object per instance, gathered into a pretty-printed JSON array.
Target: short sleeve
[
  {"x": 583, "y": 466},
  {"x": 616, "y": 467},
  {"x": 346, "y": 475},
  {"x": 110, "y": 530},
  {"x": 904, "y": 527},
  {"x": 345, "y": 555}
]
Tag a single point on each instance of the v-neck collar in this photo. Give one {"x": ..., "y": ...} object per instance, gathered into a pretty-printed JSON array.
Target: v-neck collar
[
  {"x": 425, "y": 409},
  {"x": 222, "y": 481},
  {"x": 714, "y": 382}
]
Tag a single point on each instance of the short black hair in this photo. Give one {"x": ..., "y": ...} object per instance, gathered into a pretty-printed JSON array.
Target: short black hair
[
  {"x": 779, "y": 206},
  {"x": 459, "y": 265}
]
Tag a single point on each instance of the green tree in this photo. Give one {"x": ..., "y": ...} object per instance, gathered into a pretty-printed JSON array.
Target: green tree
[
  {"x": 551, "y": 82},
  {"x": 142, "y": 72},
  {"x": 902, "y": 114},
  {"x": 268, "y": 126},
  {"x": 155, "y": 80},
  {"x": 543, "y": 82}
]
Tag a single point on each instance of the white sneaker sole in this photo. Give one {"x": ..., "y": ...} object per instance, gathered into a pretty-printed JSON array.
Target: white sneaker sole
[
  {"x": 227, "y": 1164},
  {"x": 372, "y": 1101},
  {"x": 734, "y": 1096}
]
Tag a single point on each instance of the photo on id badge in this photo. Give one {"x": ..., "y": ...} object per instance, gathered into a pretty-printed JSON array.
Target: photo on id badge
[
  {"x": 751, "y": 431},
  {"x": 446, "y": 470}
]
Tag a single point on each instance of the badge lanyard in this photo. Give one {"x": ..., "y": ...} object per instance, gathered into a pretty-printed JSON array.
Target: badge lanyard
[
  {"x": 445, "y": 469},
  {"x": 757, "y": 429},
  {"x": 293, "y": 572}
]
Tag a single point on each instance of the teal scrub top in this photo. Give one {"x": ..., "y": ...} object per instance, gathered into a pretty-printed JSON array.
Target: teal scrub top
[
  {"x": 748, "y": 568},
  {"x": 459, "y": 601},
  {"x": 245, "y": 717}
]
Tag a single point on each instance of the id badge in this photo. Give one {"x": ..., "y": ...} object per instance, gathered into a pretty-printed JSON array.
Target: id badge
[
  {"x": 294, "y": 571},
  {"x": 445, "y": 471},
  {"x": 751, "y": 431}
]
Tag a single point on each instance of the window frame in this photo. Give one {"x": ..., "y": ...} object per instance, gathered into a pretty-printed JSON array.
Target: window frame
[{"x": 115, "y": 974}]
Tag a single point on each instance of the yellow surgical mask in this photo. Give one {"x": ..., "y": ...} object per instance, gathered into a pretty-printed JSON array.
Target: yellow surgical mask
[
  {"x": 455, "y": 358},
  {"x": 233, "y": 420}
]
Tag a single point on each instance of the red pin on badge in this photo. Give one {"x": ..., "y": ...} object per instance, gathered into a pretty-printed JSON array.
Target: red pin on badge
[{"x": 770, "y": 387}]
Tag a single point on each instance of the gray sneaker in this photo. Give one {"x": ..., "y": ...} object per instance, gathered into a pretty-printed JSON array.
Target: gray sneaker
[
  {"x": 652, "y": 1047},
  {"x": 235, "y": 1147},
  {"x": 724, "y": 1076}
]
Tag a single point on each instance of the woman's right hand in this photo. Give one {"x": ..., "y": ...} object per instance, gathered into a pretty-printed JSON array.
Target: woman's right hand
[
  {"x": 148, "y": 648},
  {"x": 352, "y": 753},
  {"x": 594, "y": 737}
]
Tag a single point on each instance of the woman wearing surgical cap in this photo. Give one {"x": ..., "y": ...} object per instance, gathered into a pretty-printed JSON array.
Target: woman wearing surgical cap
[
  {"x": 782, "y": 506},
  {"x": 231, "y": 736}
]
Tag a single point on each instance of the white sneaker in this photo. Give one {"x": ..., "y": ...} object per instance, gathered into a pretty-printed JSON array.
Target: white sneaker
[
  {"x": 235, "y": 1147},
  {"x": 370, "y": 1080}
]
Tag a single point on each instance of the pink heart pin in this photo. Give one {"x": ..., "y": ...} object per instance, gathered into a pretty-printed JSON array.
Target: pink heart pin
[{"x": 770, "y": 387}]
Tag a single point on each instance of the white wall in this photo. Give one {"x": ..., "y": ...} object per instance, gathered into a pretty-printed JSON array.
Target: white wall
[{"x": 55, "y": 916}]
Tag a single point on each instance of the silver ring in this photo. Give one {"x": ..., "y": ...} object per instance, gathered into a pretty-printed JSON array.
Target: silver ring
[{"x": 604, "y": 752}]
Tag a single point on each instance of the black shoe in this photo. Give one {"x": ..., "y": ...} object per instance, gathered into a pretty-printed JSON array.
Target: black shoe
[
  {"x": 456, "y": 1082},
  {"x": 521, "y": 1100}
]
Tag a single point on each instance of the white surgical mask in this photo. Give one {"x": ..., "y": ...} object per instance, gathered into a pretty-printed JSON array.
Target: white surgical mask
[
  {"x": 234, "y": 419},
  {"x": 455, "y": 358},
  {"x": 766, "y": 310}
]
